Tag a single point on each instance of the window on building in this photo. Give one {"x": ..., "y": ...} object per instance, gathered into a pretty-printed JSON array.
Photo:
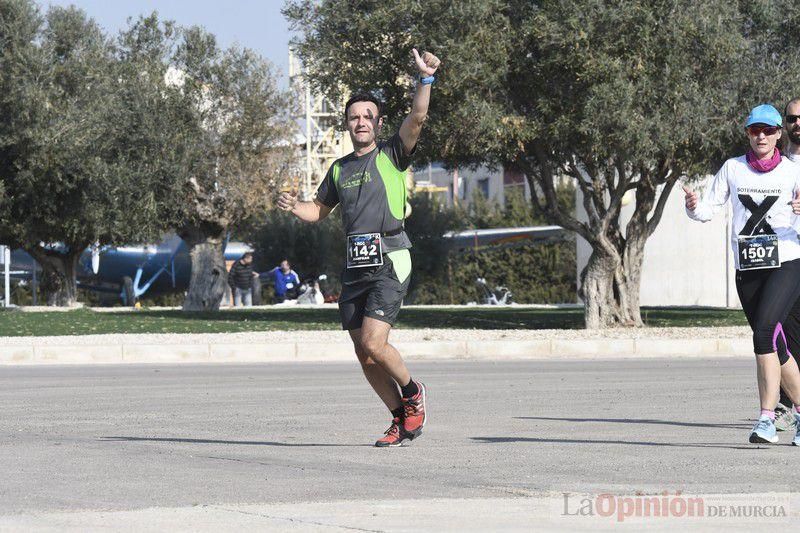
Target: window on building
[{"x": 483, "y": 186}]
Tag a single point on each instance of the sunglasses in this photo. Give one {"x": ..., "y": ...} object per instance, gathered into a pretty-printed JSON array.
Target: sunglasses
[
  {"x": 755, "y": 131},
  {"x": 791, "y": 119}
]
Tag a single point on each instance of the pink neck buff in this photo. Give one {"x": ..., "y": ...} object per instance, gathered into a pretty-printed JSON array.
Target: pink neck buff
[{"x": 763, "y": 165}]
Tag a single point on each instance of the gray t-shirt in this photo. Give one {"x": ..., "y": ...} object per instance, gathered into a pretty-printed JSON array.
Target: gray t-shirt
[{"x": 372, "y": 192}]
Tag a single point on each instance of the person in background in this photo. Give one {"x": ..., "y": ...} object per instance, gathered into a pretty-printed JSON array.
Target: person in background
[
  {"x": 784, "y": 417},
  {"x": 286, "y": 282},
  {"x": 240, "y": 279}
]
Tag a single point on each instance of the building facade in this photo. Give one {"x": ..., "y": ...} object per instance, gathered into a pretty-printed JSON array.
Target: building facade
[
  {"x": 459, "y": 186},
  {"x": 686, "y": 263}
]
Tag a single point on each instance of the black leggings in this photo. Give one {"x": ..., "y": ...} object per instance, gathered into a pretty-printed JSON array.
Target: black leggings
[
  {"x": 768, "y": 296},
  {"x": 792, "y": 330}
]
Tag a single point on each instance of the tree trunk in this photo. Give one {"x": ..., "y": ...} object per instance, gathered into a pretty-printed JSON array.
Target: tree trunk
[
  {"x": 632, "y": 260},
  {"x": 610, "y": 289},
  {"x": 59, "y": 280},
  {"x": 209, "y": 277},
  {"x": 597, "y": 291}
]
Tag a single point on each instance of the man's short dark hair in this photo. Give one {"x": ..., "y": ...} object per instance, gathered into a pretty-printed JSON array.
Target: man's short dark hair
[
  {"x": 363, "y": 97},
  {"x": 790, "y": 102},
  {"x": 247, "y": 254}
]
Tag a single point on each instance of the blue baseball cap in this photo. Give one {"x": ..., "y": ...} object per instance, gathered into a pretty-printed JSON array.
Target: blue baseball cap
[{"x": 764, "y": 114}]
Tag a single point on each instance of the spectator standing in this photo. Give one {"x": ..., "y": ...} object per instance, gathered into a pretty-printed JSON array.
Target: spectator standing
[
  {"x": 240, "y": 278},
  {"x": 286, "y": 282}
]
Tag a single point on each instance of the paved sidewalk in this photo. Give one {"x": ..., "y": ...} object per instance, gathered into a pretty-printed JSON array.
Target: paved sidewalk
[{"x": 429, "y": 345}]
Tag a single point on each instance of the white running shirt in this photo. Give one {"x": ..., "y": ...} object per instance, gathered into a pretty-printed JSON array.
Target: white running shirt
[{"x": 769, "y": 195}]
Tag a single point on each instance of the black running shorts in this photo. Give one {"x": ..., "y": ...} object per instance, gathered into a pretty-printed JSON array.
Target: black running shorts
[{"x": 376, "y": 292}]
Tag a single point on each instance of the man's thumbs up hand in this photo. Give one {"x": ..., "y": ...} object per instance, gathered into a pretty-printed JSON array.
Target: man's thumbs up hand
[
  {"x": 288, "y": 199},
  {"x": 691, "y": 198},
  {"x": 796, "y": 202}
]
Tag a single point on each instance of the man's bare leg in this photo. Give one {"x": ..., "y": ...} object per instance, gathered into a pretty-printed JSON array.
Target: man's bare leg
[
  {"x": 372, "y": 344},
  {"x": 790, "y": 380},
  {"x": 382, "y": 383},
  {"x": 374, "y": 341}
]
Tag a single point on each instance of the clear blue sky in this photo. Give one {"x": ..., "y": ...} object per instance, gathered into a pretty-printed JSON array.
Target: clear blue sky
[{"x": 256, "y": 24}]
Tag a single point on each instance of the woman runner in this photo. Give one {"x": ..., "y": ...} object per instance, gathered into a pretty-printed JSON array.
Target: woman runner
[{"x": 764, "y": 190}]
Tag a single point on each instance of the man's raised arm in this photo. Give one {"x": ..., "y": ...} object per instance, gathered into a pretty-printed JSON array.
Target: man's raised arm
[{"x": 427, "y": 64}]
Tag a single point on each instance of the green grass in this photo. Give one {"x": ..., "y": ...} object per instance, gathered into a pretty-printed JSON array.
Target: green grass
[{"x": 87, "y": 322}]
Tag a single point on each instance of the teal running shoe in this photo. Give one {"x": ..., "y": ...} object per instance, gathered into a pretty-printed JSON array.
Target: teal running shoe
[
  {"x": 796, "y": 440},
  {"x": 764, "y": 431}
]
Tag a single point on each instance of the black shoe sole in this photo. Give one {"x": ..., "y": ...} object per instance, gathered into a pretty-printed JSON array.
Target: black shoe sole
[
  {"x": 411, "y": 435},
  {"x": 397, "y": 445},
  {"x": 755, "y": 439}
]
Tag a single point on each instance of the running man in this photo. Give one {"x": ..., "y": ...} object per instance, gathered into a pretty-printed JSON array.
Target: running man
[
  {"x": 791, "y": 114},
  {"x": 369, "y": 186},
  {"x": 764, "y": 190},
  {"x": 784, "y": 418}
]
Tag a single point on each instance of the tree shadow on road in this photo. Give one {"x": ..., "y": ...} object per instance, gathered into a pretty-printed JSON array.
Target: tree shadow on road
[
  {"x": 505, "y": 440},
  {"x": 639, "y": 421},
  {"x": 239, "y": 442}
]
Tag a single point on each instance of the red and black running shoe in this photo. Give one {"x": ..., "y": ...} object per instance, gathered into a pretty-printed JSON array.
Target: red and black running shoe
[
  {"x": 414, "y": 408},
  {"x": 393, "y": 436}
]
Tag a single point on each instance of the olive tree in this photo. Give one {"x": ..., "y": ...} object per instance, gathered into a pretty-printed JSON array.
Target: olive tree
[{"x": 620, "y": 98}]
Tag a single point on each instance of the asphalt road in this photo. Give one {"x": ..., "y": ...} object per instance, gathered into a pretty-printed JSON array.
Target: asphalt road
[{"x": 105, "y": 439}]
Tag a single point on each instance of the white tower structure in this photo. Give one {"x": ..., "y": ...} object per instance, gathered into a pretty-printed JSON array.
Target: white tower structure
[{"x": 321, "y": 120}]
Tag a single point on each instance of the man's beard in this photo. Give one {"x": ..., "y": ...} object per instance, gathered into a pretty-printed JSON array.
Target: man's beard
[
  {"x": 361, "y": 144},
  {"x": 794, "y": 136}
]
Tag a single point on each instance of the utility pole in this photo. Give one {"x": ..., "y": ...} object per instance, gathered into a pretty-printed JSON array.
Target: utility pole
[
  {"x": 456, "y": 188},
  {"x": 322, "y": 119},
  {"x": 34, "y": 284},
  {"x": 6, "y": 252}
]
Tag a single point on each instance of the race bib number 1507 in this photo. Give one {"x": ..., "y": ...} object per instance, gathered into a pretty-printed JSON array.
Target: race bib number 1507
[{"x": 758, "y": 251}]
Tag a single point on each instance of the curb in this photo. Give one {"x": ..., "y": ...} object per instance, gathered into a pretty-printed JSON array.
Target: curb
[{"x": 221, "y": 352}]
